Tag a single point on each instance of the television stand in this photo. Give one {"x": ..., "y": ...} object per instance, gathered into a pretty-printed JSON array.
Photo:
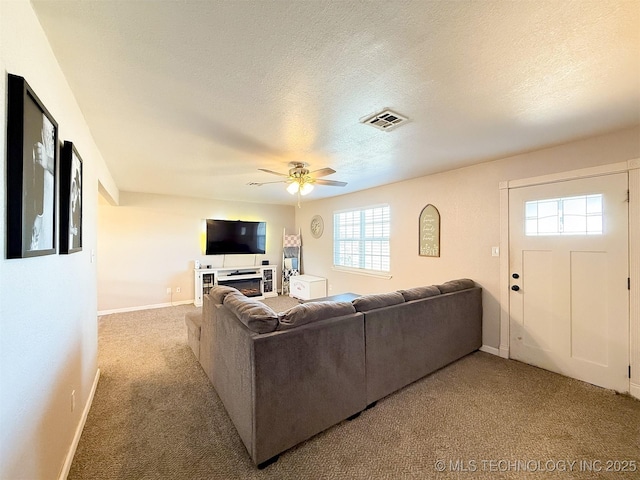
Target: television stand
[{"x": 258, "y": 282}]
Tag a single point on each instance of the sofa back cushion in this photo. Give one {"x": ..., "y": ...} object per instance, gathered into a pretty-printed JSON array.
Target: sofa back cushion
[
  {"x": 313, "y": 312},
  {"x": 419, "y": 292},
  {"x": 218, "y": 292},
  {"x": 378, "y": 300},
  {"x": 455, "y": 285},
  {"x": 255, "y": 315}
]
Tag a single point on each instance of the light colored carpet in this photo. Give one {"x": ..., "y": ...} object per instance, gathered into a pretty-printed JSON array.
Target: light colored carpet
[{"x": 156, "y": 416}]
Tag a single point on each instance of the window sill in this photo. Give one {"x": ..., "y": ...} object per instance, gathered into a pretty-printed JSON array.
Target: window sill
[{"x": 366, "y": 273}]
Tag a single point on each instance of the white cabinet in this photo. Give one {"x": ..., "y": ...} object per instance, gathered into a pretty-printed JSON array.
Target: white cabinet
[
  {"x": 256, "y": 282},
  {"x": 306, "y": 287}
]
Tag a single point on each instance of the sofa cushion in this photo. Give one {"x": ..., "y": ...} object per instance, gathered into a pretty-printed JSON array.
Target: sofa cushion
[
  {"x": 455, "y": 285},
  {"x": 378, "y": 300},
  {"x": 313, "y": 312},
  {"x": 419, "y": 292},
  {"x": 218, "y": 293},
  {"x": 255, "y": 315}
]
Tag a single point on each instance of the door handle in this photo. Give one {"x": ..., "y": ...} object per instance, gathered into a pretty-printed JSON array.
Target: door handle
[{"x": 515, "y": 288}]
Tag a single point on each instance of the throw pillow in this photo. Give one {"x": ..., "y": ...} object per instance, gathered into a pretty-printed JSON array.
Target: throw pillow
[
  {"x": 255, "y": 315},
  {"x": 455, "y": 285},
  {"x": 378, "y": 300},
  {"x": 218, "y": 293},
  {"x": 419, "y": 292},
  {"x": 313, "y": 312}
]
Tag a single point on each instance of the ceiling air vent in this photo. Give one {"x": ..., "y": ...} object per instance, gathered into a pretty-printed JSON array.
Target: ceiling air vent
[{"x": 385, "y": 120}]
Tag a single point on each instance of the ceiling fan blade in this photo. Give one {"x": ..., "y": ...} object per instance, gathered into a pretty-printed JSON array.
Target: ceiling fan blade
[
  {"x": 257, "y": 184},
  {"x": 323, "y": 172},
  {"x": 274, "y": 173},
  {"x": 332, "y": 183}
]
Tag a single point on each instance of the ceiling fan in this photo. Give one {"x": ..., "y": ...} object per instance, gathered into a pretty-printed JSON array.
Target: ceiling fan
[{"x": 301, "y": 180}]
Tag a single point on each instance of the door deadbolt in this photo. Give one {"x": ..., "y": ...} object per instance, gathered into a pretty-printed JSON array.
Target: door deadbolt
[{"x": 515, "y": 275}]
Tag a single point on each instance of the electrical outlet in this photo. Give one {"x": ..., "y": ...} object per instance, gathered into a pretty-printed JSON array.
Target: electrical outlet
[
  {"x": 177, "y": 289},
  {"x": 73, "y": 400},
  {"x": 168, "y": 289}
]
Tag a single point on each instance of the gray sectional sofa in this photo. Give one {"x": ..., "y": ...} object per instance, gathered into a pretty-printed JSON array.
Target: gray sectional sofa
[{"x": 284, "y": 377}]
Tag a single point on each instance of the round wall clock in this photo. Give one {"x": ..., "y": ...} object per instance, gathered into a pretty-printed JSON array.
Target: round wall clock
[{"x": 317, "y": 226}]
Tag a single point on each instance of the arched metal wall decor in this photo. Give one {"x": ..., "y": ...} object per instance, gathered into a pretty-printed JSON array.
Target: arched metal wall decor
[{"x": 429, "y": 232}]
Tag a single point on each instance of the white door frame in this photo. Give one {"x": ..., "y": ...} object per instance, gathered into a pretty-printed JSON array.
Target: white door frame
[{"x": 633, "y": 168}]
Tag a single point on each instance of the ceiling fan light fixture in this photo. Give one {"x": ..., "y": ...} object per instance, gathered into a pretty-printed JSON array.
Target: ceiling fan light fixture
[
  {"x": 293, "y": 188},
  {"x": 306, "y": 188}
]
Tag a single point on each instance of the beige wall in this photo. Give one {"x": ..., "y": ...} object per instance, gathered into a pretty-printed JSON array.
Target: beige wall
[
  {"x": 468, "y": 201},
  {"x": 148, "y": 243},
  {"x": 48, "y": 325}
]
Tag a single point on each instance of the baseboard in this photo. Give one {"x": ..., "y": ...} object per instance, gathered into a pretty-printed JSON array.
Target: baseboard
[
  {"x": 634, "y": 390},
  {"x": 76, "y": 438},
  {"x": 491, "y": 350},
  {"x": 504, "y": 351},
  {"x": 143, "y": 307}
]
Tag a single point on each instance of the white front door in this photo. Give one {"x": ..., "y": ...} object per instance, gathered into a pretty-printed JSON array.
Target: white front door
[{"x": 569, "y": 265}]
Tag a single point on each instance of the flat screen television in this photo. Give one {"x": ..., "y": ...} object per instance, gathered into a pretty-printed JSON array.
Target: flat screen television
[{"x": 235, "y": 237}]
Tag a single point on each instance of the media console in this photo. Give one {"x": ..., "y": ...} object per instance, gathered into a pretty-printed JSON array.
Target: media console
[{"x": 257, "y": 281}]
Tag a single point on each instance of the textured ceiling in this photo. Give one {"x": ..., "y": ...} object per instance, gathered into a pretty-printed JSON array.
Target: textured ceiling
[{"x": 192, "y": 97}]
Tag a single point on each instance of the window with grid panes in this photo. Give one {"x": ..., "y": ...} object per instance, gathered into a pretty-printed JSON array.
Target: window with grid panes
[
  {"x": 361, "y": 238},
  {"x": 580, "y": 215}
]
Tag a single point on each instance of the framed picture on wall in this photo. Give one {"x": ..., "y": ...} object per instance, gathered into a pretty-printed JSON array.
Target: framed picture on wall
[
  {"x": 32, "y": 154},
  {"x": 70, "y": 199},
  {"x": 429, "y": 236}
]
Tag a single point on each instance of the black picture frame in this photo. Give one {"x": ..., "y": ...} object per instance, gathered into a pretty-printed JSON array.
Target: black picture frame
[
  {"x": 70, "y": 199},
  {"x": 32, "y": 158}
]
